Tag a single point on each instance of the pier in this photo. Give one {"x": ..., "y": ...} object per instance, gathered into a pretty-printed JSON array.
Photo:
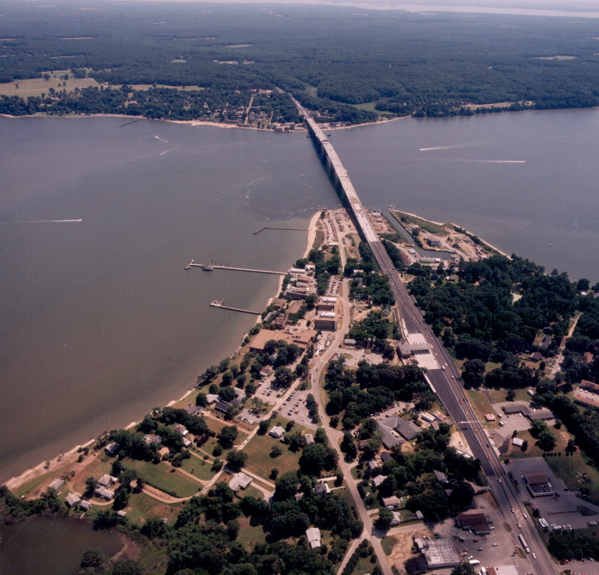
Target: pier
[
  {"x": 211, "y": 267},
  {"x": 221, "y": 304},
  {"x": 280, "y": 228}
]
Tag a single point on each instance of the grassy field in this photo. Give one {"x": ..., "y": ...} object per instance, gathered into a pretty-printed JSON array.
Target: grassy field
[
  {"x": 164, "y": 478},
  {"x": 259, "y": 460},
  {"x": 481, "y": 405},
  {"x": 198, "y": 468},
  {"x": 142, "y": 506},
  {"x": 39, "y": 86},
  {"x": 33, "y": 485},
  {"x": 498, "y": 395},
  {"x": 249, "y": 535},
  {"x": 388, "y": 543},
  {"x": 561, "y": 435},
  {"x": 576, "y": 473},
  {"x": 95, "y": 469},
  {"x": 431, "y": 227}
]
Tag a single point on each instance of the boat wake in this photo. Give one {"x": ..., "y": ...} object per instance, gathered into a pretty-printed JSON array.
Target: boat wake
[{"x": 43, "y": 221}]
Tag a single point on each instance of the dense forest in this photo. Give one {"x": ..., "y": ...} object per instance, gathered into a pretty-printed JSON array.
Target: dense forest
[{"x": 345, "y": 64}]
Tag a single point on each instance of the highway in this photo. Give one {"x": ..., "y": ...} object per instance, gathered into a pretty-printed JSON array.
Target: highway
[{"x": 445, "y": 380}]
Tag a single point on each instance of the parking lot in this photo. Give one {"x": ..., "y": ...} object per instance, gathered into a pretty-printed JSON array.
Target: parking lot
[{"x": 294, "y": 408}]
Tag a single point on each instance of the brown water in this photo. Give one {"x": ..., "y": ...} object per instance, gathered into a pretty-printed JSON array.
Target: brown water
[
  {"x": 47, "y": 546},
  {"x": 98, "y": 321}
]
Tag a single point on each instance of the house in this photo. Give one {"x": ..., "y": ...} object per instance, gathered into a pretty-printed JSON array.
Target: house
[
  {"x": 211, "y": 398},
  {"x": 477, "y": 523},
  {"x": 266, "y": 371},
  {"x": 309, "y": 438},
  {"x": 385, "y": 456},
  {"x": 111, "y": 448},
  {"x": 372, "y": 465},
  {"x": 181, "y": 430},
  {"x": 277, "y": 432},
  {"x": 152, "y": 439},
  {"x": 407, "y": 429},
  {"x": 240, "y": 481},
  {"x": 517, "y": 442},
  {"x": 313, "y": 536},
  {"x": 56, "y": 484},
  {"x": 106, "y": 480},
  {"x": 121, "y": 513},
  {"x": 419, "y": 515},
  {"x": 73, "y": 500},
  {"x": 104, "y": 493},
  {"x": 322, "y": 489},
  {"x": 194, "y": 409},
  {"x": 391, "y": 502},
  {"x": 389, "y": 435},
  {"x": 440, "y": 476},
  {"x": 396, "y": 520},
  {"x": 85, "y": 505},
  {"x": 378, "y": 480},
  {"x": 223, "y": 406}
]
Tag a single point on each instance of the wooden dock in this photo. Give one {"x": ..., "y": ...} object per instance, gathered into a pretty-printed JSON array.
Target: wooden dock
[
  {"x": 211, "y": 267},
  {"x": 221, "y": 304},
  {"x": 280, "y": 228}
]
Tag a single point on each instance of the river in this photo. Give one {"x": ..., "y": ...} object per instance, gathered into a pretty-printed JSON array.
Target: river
[{"x": 99, "y": 321}]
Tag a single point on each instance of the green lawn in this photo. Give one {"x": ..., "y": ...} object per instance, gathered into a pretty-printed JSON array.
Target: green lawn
[
  {"x": 427, "y": 225},
  {"x": 198, "y": 468},
  {"x": 481, "y": 405},
  {"x": 33, "y": 485},
  {"x": 249, "y": 535},
  {"x": 142, "y": 506},
  {"x": 259, "y": 460},
  {"x": 164, "y": 478},
  {"x": 576, "y": 473},
  {"x": 388, "y": 543}
]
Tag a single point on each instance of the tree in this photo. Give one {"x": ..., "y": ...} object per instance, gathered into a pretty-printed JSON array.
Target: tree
[
  {"x": 232, "y": 529},
  {"x": 275, "y": 451},
  {"x": 236, "y": 460},
  {"x": 94, "y": 560},
  {"x": 263, "y": 427},
  {"x": 127, "y": 567},
  {"x": 227, "y": 436},
  {"x": 283, "y": 376},
  {"x": 463, "y": 569},
  {"x": 384, "y": 520},
  {"x": 286, "y": 485}
]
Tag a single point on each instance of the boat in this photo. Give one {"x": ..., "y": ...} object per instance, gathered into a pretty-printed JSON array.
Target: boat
[
  {"x": 217, "y": 302},
  {"x": 208, "y": 268}
]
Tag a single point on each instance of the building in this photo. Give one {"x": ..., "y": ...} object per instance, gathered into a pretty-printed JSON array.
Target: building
[
  {"x": 378, "y": 480},
  {"x": 240, "y": 481},
  {"x": 372, "y": 465},
  {"x": 538, "y": 485},
  {"x": 111, "y": 448},
  {"x": 72, "y": 500},
  {"x": 313, "y": 536},
  {"x": 326, "y": 321},
  {"x": 389, "y": 434},
  {"x": 440, "y": 553},
  {"x": 106, "y": 480},
  {"x": 181, "y": 430},
  {"x": 322, "y": 489},
  {"x": 266, "y": 371},
  {"x": 104, "y": 493},
  {"x": 385, "y": 456},
  {"x": 309, "y": 438},
  {"x": 56, "y": 484},
  {"x": 441, "y": 477},
  {"x": 396, "y": 518},
  {"x": 391, "y": 502},
  {"x": 211, "y": 398},
  {"x": 587, "y": 394},
  {"x": 477, "y": 523},
  {"x": 85, "y": 505},
  {"x": 407, "y": 429},
  {"x": 277, "y": 432},
  {"x": 280, "y": 322}
]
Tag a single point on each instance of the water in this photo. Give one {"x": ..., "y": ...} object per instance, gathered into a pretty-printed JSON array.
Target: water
[
  {"x": 520, "y": 181},
  {"x": 98, "y": 321},
  {"x": 47, "y": 546}
]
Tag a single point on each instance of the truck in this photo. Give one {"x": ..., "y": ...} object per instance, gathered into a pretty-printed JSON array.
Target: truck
[{"x": 524, "y": 543}]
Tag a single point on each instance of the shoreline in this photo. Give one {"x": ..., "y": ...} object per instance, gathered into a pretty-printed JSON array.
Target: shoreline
[
  {"x": 484, "y": 242},
  {"x": 194, "y": 123},
  {"x": 51, "y": 465}
]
